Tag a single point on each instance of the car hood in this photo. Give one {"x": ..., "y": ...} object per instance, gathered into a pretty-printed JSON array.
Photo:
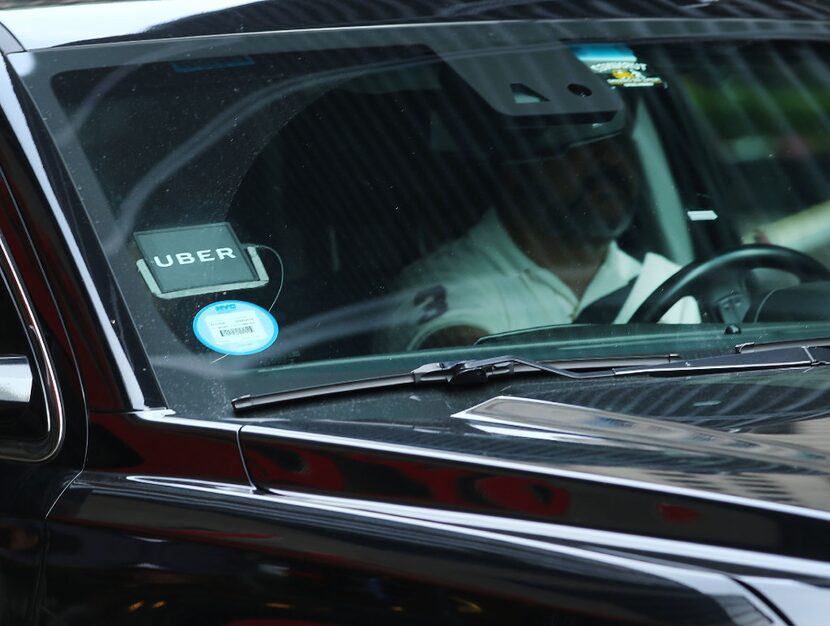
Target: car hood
[
  {"x": 782, "y": 462},
  {"x": 733, "y": 469}
]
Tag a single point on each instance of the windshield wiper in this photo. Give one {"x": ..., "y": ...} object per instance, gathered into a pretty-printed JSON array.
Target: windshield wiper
[
  {"x": 479, "y": 371},
  {"x": 455, "y": 373},
  {"x": 740, "y": 360}
]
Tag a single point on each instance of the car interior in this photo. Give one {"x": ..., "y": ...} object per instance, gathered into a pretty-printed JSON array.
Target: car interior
[{"x": 342, "y": 183}]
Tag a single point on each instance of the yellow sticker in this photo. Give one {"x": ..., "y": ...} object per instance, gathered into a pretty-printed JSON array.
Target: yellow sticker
[{"x": 626, "y": 74}]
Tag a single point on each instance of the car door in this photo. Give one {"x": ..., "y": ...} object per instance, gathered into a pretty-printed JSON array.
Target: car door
[{"x": 37, "y": 457}]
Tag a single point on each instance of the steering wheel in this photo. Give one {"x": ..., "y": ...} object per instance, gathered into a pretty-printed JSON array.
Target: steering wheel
[{"x": 722, "y": 285}]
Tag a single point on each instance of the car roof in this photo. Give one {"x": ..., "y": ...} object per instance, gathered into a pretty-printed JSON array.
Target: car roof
[{"x": 50, "y": 23}]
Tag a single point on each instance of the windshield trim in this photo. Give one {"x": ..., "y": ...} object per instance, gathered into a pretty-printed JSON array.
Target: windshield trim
[{"x": 655, "y": 30}]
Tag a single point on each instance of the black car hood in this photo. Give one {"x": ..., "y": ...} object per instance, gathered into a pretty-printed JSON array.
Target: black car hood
[
  {"x": 785, "y": 465},
  {"x": 757, "y": 437}
]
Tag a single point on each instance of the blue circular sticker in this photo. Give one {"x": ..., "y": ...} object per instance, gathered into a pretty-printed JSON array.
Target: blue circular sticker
[{"x": 235, "y": 327}]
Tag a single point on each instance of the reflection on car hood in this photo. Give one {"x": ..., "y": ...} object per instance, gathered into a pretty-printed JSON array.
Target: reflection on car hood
[
  {"x": 540, "y": 419},
  {"x": 790, "y": 466},
  {"x": 763, "y": 436}
]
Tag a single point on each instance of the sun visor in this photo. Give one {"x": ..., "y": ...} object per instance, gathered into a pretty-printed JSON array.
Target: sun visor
[{"x": 531, "y": 83}]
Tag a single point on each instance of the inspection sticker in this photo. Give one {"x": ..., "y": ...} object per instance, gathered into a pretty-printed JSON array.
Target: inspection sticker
[
  {"x": 235, "y": 327},
  {"x": 617, "y": 64}
]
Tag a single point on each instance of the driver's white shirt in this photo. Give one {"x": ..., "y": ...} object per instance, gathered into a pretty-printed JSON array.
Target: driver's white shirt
[{"x": 484, "y": 280}]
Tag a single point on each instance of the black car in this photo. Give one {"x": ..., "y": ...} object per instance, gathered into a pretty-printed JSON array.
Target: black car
[{"x": 460, "y": 312}]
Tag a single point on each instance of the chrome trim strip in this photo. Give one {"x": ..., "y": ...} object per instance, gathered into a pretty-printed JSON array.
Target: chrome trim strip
[
  {"x": 536, "y": 468},
  {"x": 617, "y": 541},
  {"x": 748, "y": 28},
  {"x": 168, "y": 416},
  {"x": 55, "y": 418},
  {"x": 707, "y": 582}
]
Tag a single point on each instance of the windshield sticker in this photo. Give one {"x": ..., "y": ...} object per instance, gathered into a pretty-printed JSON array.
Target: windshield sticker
[
  {"x": 617, "y": 64},
  {"x": 603, "y": 52},
  {"x": 235, "y": 327},
  {"x": 194, "y": 260},
  {"x": 701, "y": 216}
]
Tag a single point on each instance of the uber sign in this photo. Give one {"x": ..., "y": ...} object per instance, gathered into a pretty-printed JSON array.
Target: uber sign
[{"x": 197, "y": 259}]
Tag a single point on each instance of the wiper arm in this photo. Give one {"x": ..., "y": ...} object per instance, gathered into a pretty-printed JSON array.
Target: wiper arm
[
  {"x": 479, "y": 371},
  {"x": 454, "y": 373},
  {"x": 740, "y": 360}
]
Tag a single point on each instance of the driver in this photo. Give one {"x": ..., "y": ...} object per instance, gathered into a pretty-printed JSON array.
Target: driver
[{"x": 544, "y": 254}]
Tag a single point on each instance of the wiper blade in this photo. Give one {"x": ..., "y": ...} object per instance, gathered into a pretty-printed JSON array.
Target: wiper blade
[
  {"x": 479, "y": 371},
  {"x": 454, "y": 373}
]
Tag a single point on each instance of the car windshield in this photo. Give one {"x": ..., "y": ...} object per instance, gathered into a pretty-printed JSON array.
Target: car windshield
[{"x": 286, "y": 209}]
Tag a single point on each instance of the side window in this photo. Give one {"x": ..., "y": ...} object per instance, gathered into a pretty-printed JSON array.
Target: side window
[{"x": 764, "y": 108}]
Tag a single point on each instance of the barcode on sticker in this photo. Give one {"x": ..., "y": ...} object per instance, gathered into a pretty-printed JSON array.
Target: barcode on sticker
[
  {"x": 237, "y": 328},
  {"x": 235, "y": 332}
]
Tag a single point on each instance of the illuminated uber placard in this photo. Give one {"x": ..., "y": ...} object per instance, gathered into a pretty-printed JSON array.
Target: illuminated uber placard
[{"x": 192, "y": 260}]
